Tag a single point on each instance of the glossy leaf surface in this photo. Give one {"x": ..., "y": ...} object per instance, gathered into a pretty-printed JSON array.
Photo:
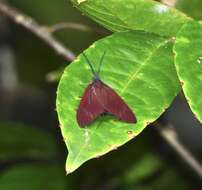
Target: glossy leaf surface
[
  {"x": 125, "y": 15},
  {"x": 141, "y": 72},
  {"x": 188, "y": 49}
]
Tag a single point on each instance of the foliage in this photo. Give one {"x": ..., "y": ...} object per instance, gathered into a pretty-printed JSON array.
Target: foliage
[
  {"x": 33, "y": 177},
  {"x": 18, "y": 141},
  {"x": 188, "y": 63},
  {"x": 144, "y": 51},
  {"x": 138, "y": 65},
  {"x": 48, "y": 173},
  {"x": 147, "y": 15},
  {"x": 193, "y": 9}
]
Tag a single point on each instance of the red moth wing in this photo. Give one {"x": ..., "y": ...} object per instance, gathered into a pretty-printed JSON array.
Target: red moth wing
[
  {"x": 89, "y": 108},
  {"x": 114, "y": 104}
]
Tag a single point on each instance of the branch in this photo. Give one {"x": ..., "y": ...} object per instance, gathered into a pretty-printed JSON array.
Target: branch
[
  {"x": 31, "y": 25},
  {"x": 170, "y": 136},
  {"x": 75, "y": 26},
  {"x": 170, "y": 3}
]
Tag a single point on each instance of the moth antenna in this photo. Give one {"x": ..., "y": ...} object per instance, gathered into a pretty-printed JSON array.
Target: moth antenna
[
  {"x": 89, "y": 63},
  {"x": 100, "y": 64}
]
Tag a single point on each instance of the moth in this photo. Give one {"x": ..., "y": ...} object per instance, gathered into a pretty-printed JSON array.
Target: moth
[{"x": 99, "y": 98}]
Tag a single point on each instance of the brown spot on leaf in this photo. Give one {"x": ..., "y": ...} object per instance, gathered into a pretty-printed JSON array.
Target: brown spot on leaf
[{"x": 129, "y": 132}]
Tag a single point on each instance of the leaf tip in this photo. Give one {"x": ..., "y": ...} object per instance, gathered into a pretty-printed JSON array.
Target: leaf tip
[
  {"x": 73, "y": 163},
  {"x": 70, "y": 170}
]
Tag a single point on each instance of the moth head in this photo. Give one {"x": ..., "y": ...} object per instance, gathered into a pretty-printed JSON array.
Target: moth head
[{"x": 95, "y": 73}]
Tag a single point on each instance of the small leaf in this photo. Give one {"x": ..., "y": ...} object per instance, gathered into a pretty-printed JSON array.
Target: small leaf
[
  {"x": 124, "y": 15},
  {"x": 188, "y": 49},
  {"x": 18, "y": 141},
  {"x": 143, "y": 168},
  {"x": 140, "y": 68},
  {"x": 32, "y": 177}
]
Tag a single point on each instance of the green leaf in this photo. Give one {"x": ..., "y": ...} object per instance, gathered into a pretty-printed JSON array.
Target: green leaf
[
  {"x": 166, "y": 180},
  {"x": 157, "y": 174},
  {"x": 140, "y": 68},
  {"x": 147, "y": 166},
  {"x": 18, "y": 141},
  {"x": 32, "y": 177},
  {"x": 188, "y": 50},
  {"x": 192, "y": 8},
  {"x": 124, "y": 15}
]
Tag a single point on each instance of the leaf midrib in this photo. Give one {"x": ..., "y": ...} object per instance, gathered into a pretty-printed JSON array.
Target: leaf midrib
[
  {"x": 136, "y": 71},
  {"x": 113, "y": 14},
  {"x": 131, "y": 78}
]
